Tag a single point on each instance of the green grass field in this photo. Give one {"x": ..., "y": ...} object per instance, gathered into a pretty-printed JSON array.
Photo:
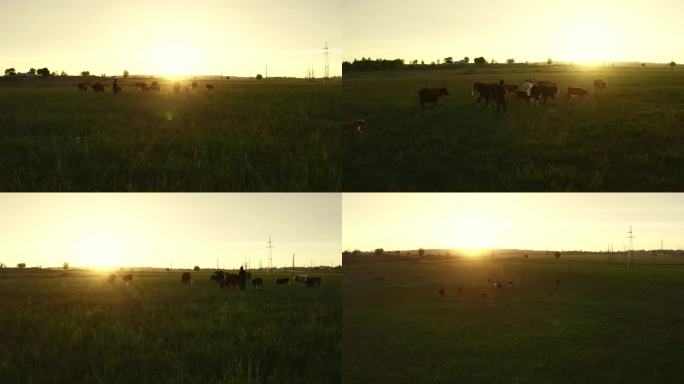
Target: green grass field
[
  {"x": 628, "y": 138},
  {"x": 58, "y": 327},
  {"x": 244, "y": 136},
  {"x": 604, "y": 323}
]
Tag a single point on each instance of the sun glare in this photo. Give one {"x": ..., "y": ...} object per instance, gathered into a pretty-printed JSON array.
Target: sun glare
[
  {"x": 175, "y": 60},
  {"x": 102, "y": 249}
]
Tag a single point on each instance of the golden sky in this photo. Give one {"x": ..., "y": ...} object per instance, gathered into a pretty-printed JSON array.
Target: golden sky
[
  {"x": 111, "y": 230},
  {"x": 545, "y": 221},
  {"x": 525, "y": 30},
  {"x": 171, "y": 37}
]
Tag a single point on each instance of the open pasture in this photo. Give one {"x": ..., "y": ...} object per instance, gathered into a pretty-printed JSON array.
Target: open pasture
[
  {"x": 600, "y": 323},
  {"x": 628, "y": 137},
  {"x": 242, "y": 136},
  {"x": 67, "y": 327}
]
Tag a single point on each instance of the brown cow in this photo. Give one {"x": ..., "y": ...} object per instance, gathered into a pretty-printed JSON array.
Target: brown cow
[
  {"x": 522, "y": 95},
  {"x": 82, "y": 86},
  {"x": 111, "y": 278},
  {"x": 98, "y": 87},
  {"x": 230, "y": 281},
  {"x": 599, "y": 85},
  {"x": 441, "y": 292},
  {"x": 283, "y": 280},
  {"x": 127, "y": 278},
  {"x": 354, "y": 128},
  {"x": 544, "y": 91},
  {"x": 258, "y": 283},
  {"x": 313, "y": 282},
  {"x": 194, "y": 84},
  {"x": 155, "y": 87},
  {"x": 578, "y": 92},
  {"x": 210, "y": 87},
  {"x": 491, "y": 91},
  {"x": 431, "y": 95},
  {"x": 185, "y": 278}
]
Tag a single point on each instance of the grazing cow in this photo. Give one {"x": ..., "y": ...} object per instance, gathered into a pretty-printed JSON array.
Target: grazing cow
[
  {"x": 217, "y": 276},
  {"x": 557, "y": 282},
  {"x": 522, "y": 95},
  {"x": 282, "y": 281},
  {"x": 498, "y": 285},
  {"x": 127, "y": 278},
  {"x": 115, "y": 87},
  {"x": 231, "y": 280},
  {"x": 194, "y": 84},
  {"x": 82, "y": 86},
  {"x": 441, "y": 292},
  {"x": 155, "y": 87},
  {"x": 579, "y": 92},
  {"x": 176, "y": 87},
  {"x": 431, "y": 95},
  {"x": 354, "y": 128},
  {"x": 300, "y": 279},
  {"x": 98, "y": 87},
  {"x": 258, "y": 283},
  {"x": 313, "y": 282},
  {"x": 543, "y": 91},
  {"x": 185, "y": 278},
  {"x": 497, "y": 92},
  {"x": 111, "y": 278},
  {"x": 210, "y": 87},
  {"x": 599, "y": 85},
  {"x": 510, "y": 284},
  {"x": 511, "y": 88}
]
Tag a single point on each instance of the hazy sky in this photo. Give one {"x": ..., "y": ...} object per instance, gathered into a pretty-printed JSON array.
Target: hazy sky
[
  {"x": 533, "y": 30},
  {"x": 157, "y": 229},
  {"x": 171, "y": 37},
  {"x": 522, "y": 221}
]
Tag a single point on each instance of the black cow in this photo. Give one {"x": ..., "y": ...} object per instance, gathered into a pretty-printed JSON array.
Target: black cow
[
  {"x": 210, "y": 87},
  {"x": 217, "y": 276},
  {"x": 300, "y": 279},
  {"x": 194, "y": 84},
  {"x": 282, "y": 281},
  {"x": 185, "y": 278},
  {"x": 111, "y": 278},
  {"x": 155, "y": 87},
  {"x": 258, "y": 283},
  {"x": 579, "y": 92},
  {"x": 313, "y": 282},
  {"x": 82, "y": 86},
  {"x": 543, "y": 92},
  {"x": 231, "y": 280},
  {"x": 522, "y": 95},
  {"x": 497, "y": 92},
  {"x": 441, "y": 292},
  {"x": 431, "y": 95},
  {"x": 98, "y": 87},
  {"x": 127, "y": 278}
]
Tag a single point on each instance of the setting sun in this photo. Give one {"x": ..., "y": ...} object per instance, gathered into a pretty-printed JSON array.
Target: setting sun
[{"x": 103, "y": 248}]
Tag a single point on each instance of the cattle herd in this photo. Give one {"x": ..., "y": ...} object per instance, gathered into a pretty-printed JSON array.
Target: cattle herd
[
  {"x": 492, "y": 283},
  {"x": 143, "y": 86},
  {"x": 532, "y": 91},
  {"x": 226, "y": 280}
]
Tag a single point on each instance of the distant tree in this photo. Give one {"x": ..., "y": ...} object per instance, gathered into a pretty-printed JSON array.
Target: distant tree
[
  {"x": 63, "y": 74},
  {"x": 379, "y": 252},
  {"x": 414, "y": 62},
  {"x": 196, "y": 268},
  {"x": 549, "y": 61},
  {"x": 21, "y": 265},
  {"x": 422, "y": 62},
  {"x": 466, "y": 59},
  {"x": 85, "y": 73},
  {"x": 103, "y": 75},
  {"x": 480, "y": 60},
  {"x": 510, "y": 61},
  {"x": 65, "y": 265},
  {"x": 493, "y": 61},
  {"x": 43, "y": 72},
  {"x": 125, "y": 74},
  {"x": 10, "y": 72},
  {"x": 32, "y": 71},
  {"x": 53, "y": 73},
  {"x": 557, "y": 254},
  {"x": 433, "y": 63},
  {"x": 2, "y": 266},
  {"x": 259, "y": 77},
  {"x": 448, "y": 60},
  {"x": 421, "y": 252},
  {"x": 672, "y": 64}
]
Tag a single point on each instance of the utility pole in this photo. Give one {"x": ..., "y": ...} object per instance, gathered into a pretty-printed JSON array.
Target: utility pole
[
  {"x": 326, "y": 58},
  {"x": 270, "y": 254},
  {"x": 293, "y": 258},
  {"x": 630, "y": 238}
]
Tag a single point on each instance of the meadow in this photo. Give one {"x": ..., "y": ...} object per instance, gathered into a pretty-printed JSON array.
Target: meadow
[
  {"x": 629, "y": 137},
  {"x": 246, "y": 135},
  {"x": 67, "y": 327},
  {"x": 602, "y": 322}
]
